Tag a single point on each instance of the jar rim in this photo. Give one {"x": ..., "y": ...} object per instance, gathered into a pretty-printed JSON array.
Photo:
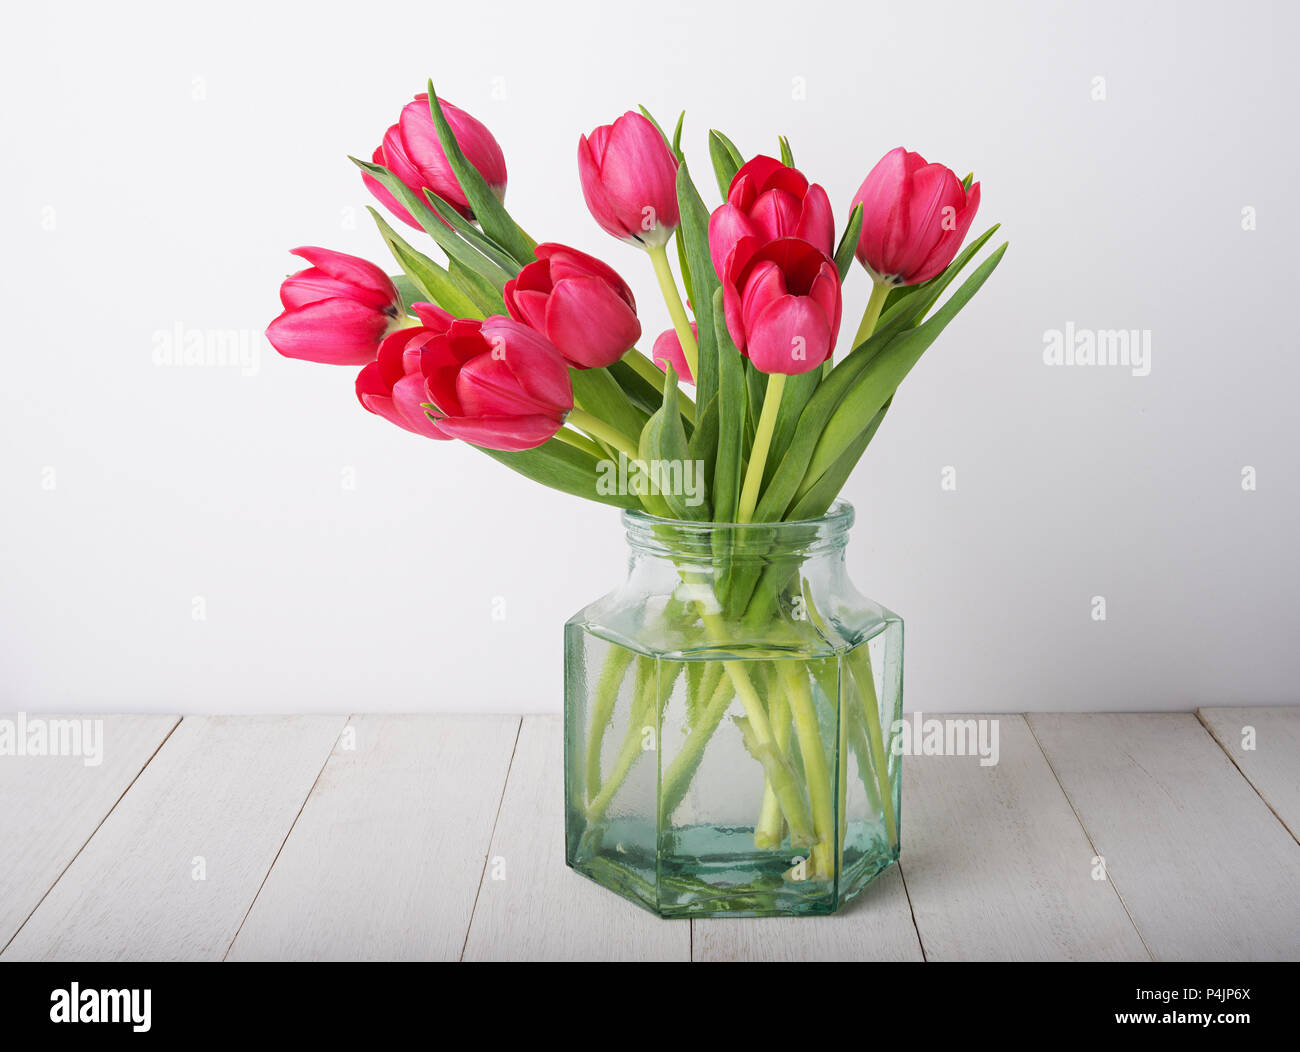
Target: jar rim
[
  {"x": 687, "y": 538},
  {"x": 839, "y": 516}
]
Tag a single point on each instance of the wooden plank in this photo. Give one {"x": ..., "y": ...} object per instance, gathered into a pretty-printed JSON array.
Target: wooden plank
[
  {"x": 385, "y": 860},
  {"x": 531, "y": 906},
  {"x": 1205, "y": 869},
  {"x": 876, "y": 926},
  {"x": 223, "y": 790},
  {"x": 52, "y": 804},
  {"x": 997, "y": 865},
  {"x": 1272, "y": 764}
]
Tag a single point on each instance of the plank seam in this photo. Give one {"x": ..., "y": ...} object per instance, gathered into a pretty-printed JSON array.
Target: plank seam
[
  {"x": 1241, "y": 771},
  {"x": 912, "y": 911},
  {"x": 1086, "y": 833},
  {"x": 289, "y": 832},
  {"x": 482, "y": 876},
  {"x": 77, "y": 853}
]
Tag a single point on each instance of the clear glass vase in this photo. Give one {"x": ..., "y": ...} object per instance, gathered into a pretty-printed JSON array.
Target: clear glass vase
[{"x": 729, "y": 721}]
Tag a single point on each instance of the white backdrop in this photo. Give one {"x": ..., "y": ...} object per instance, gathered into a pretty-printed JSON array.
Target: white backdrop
[{"x": 245, "y": 538}]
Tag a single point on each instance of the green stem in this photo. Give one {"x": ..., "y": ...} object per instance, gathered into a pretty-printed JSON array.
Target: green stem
[
  {"x": 582, "y": 442},
  {"x": 642, "y": 697},
  {"x": 597, "y": 428},
  {"x": 860, "y": 666},
  {"x": 872, "y": 314},
  {"x": 804, "y": 711},
  {"x": 602, "y": 708},
  {"x": 677, "y": 778},
  {"x": 653, "y": 375},
  {"x": 676, "y": 309},
  {"x": 762, "y": 442},
  {"x": 770, "y": 829}
]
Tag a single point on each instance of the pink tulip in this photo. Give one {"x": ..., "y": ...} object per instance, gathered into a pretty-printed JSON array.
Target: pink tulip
[
  {"x": 770, "y": 200},
  {"x": 412, "y": 152},
  {"x": 335, "y": 311},
  {"x": 393, "y": 386},
  {"x": 914, "y": 218},
  {"x": 577, "y": 302},
  {"x": 668, "y": 351},
  {"x": 782, "y": 303},
  {"x": 629, "y": 180},
  {"x": 496, "y": 383}
]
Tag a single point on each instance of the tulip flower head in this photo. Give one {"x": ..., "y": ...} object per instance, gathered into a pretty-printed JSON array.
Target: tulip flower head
[
  {"x": 629, "y": 180},
  {"x": 914, "y": 218},
  {"x": 496, "y": 383},
  {"x": 668, "y": 351},
  {"x": 578, "y": 303},
  {"x": 336, "y": 311},
  {"x": 782, "y": 303},
  {"x": 770, "y": 200},
  {"x": 412, "y": 152},
  {"x": 393, "y": 385}
]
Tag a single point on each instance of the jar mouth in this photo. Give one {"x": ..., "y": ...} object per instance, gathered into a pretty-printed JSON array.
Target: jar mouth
[{"x": 686, "y": 538}]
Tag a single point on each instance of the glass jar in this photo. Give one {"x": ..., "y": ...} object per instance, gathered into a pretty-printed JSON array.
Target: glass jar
[{"x": 730, "y": 712}]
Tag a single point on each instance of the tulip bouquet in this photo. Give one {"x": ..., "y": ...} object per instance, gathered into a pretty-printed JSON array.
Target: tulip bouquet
[{"x": 528, "y": 352}]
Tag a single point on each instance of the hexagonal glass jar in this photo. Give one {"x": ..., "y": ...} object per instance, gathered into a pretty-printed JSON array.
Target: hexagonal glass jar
[{"x": 730, "y": 712}]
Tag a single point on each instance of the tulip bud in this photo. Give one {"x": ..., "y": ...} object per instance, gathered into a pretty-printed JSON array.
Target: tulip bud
[
  {"x": 335, "y": 311},
  {"x": 782, "y": 303},
  {"x": 770, "y": 200},
  {"x": 393, "y": 386},
  {"x": 496, "y": 383},
  {"x": 578, "y": 303},
  {"x": 914, "y": 218},
  {"x": 629, "y": 180},
  {"x": 668, "y": 351},
  {"x": 412, "y": 152}
]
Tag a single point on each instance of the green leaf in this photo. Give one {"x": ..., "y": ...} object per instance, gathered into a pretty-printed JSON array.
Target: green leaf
[
  {"x": 664, "y": 447},
  {"x": 789, "y": 476},
  {"x": 485, "y": 295},
  {"x": 563, "y": 468},
  {"x": 676, "y": 144},
  {"x": 456, "y": 247},
  {"x": 849, "y": 242},
  {"x": 430, "y": 282},
  {"x": 787, "y": 156},
  {"x": 798, "y": 389},
  {"x": 822, "y": 493},
  {"x": 731, "y": 419},
  {"x": 472, "y": 234},
  {"x": 886, "y": 371},
  {"x": 704, "y": 440},
  {"x": 693, "y": 235},
  {"x": 487, "y": 207},
  {"x": 638, "y": 389},
  {"x": 726, "y": 160},
  {"x": 597, "y": 392},
  {"x": 912, "y": 302}
]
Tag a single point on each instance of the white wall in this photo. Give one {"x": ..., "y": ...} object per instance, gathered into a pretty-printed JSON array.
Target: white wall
[{"x": 159, "y": 160}]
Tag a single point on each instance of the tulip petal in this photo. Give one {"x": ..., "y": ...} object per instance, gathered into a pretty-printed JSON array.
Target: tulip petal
[
  {"x": 589, "y": 323},
  {"x": 409, "y": 397},
  {"x": 360, "y": 273},
  {"x": 789, "y": 336},
  {"x": 727, "y": 225},
  {"x": 817, "y": 221},
  {"x": 513, "y": 434},
  {"x": 334, "y": 332}
]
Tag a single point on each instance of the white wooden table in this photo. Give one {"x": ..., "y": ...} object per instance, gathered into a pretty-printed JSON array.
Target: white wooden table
[{"x": 439, "y": 837}]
